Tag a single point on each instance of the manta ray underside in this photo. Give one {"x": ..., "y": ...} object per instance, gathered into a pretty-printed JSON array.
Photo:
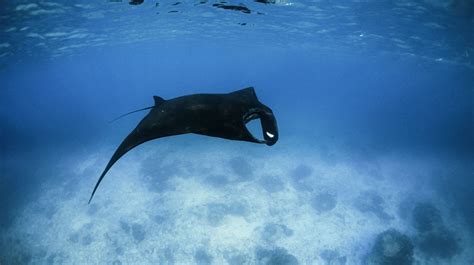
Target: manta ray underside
[{"x": 218, "y": 115}]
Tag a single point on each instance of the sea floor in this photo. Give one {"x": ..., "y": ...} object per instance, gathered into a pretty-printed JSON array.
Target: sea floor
[{"x": 195, "y": 200}]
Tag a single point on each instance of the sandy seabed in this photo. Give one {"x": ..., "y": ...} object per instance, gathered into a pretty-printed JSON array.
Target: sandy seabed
[{"x": 182, "y": 201}]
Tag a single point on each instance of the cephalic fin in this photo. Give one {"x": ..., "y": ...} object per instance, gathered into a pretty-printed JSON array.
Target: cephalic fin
[{"x": 246, "y": 94}]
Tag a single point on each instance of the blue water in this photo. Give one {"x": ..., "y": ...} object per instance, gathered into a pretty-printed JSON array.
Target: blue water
[{"x": 374, "y": 102}]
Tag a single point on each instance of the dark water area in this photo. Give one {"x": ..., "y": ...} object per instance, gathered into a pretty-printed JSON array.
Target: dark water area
[
  {"x": 381, "y": 102},
  {"x": 374, "y": 163}
]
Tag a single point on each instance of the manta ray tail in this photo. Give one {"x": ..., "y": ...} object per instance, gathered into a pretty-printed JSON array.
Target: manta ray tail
[
  {"x": 158, "y": 101},
  {"x": 128, "y": 113}
]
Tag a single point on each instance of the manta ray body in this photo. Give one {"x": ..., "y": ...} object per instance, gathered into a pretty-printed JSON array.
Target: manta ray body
[{"x": 217, "y": 115}]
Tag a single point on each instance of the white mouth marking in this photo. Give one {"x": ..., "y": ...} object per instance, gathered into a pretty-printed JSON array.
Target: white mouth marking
[{"x": 270, "y": 135}]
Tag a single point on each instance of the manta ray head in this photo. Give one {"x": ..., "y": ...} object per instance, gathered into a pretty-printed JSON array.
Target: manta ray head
[{"x": 268, "y": 122}]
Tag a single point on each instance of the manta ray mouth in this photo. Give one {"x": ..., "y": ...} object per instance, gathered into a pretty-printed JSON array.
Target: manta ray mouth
[
  {"x": 256, "y": 128},
  {"x": 253, "y": 114}
]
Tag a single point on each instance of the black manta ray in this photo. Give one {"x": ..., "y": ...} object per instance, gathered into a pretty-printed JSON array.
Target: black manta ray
[{"x": 217, "y": 115}]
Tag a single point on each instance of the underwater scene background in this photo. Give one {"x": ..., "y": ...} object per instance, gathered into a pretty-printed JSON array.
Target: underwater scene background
[{"x": 374, "y": 103}]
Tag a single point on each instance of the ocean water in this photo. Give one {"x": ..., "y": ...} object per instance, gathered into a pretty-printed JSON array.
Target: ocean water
[{"x": 374, "y": 163}]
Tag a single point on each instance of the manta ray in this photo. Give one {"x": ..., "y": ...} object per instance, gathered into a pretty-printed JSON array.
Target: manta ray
[{"x": 216, "y": 115}]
